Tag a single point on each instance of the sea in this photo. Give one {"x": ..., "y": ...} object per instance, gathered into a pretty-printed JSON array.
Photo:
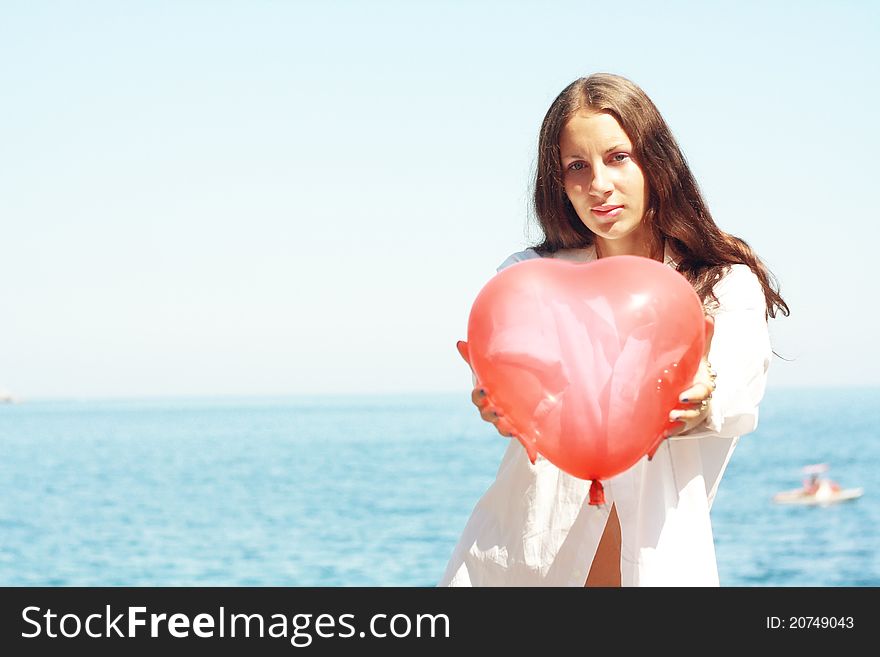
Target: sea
[{"x": 371, "y": 491}]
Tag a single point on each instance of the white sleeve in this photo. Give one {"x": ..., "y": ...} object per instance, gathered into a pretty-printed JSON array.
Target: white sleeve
[
  {"x": 740, "y": 354},
  {"x": 519, "y": 256}
]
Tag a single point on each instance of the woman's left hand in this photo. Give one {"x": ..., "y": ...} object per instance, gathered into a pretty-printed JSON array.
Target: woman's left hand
[{"x": 695, "y": 401}]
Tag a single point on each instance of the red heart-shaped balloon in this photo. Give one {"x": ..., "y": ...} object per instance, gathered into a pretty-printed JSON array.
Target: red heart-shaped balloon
[{"x": 583, "y": 362}]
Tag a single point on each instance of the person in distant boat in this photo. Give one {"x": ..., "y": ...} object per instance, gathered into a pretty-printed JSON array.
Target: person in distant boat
[
  {"x": 811, "y": 484},
  {"x": 611, "y": 180}
]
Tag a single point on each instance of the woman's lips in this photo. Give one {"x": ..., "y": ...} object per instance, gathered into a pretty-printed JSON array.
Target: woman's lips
[{"x": 610, "y": 213}]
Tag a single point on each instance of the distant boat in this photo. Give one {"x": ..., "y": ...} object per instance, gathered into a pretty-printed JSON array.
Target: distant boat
[
  {"x": 7, "y": 398},
  {"x": 817, "y": 490}
]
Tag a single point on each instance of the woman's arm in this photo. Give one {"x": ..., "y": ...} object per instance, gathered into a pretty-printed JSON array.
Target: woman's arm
[{"x": 740, "y": 354}]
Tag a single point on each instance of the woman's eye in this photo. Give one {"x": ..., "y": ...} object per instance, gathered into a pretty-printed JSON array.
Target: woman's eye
[
  {"x": 576, "y": 166},
  {"x": 620, "y": 157}
]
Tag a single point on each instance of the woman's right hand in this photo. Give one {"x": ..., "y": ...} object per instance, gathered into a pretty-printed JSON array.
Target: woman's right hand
[
  {"x": 480, "y": 400},
  {"x": 478, "y": 396}
]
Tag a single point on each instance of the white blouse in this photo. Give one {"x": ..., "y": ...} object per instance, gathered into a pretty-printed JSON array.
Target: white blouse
[{"x": 534, "y": 526}]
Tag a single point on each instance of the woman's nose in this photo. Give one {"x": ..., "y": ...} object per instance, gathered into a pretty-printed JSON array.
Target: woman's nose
[{"x": 601, "y": 184}]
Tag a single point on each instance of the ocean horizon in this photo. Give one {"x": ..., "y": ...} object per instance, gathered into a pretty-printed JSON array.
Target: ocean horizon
[{"x": 369, "y": 490}]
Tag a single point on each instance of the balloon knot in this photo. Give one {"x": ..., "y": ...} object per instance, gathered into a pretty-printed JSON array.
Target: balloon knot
[{"x": 597, "y": 493}]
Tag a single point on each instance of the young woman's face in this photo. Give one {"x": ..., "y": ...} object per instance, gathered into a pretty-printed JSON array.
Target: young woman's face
[{"x": 602, "y": 180}]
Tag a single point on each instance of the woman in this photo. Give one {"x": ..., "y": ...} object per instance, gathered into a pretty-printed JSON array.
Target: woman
[{"x": 611, "y": 180}]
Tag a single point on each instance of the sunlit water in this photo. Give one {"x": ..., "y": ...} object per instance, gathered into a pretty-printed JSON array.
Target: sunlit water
[{"x": 344, "y": 491}]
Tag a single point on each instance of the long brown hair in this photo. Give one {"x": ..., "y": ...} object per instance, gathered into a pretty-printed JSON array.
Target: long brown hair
[{"x": 675, "y": 209}]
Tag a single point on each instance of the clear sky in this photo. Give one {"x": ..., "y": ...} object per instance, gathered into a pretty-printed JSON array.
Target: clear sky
[{"x": 267, "y": 197}]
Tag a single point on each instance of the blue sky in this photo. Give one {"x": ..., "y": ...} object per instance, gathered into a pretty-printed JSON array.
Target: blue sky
[{"x": 304, "y": 197}]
